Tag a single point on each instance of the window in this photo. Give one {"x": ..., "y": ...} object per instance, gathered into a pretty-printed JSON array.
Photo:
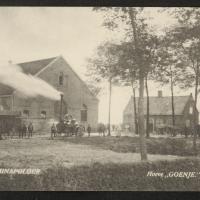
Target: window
[
  {"x": 84, "y": 113},
  {"x": 159, "y": 121},
  {"x": 26, "y": 113},
  {"x": 169, "y": 121},
  {"x": 187, "y": 123},
  {"x": 61, "y": 78},
  {"x": 1, "y": 108},
  {"x": 43, "y": 114},
  {"x": 191, "y": 110},
  {"x": 164, "y": 120}
]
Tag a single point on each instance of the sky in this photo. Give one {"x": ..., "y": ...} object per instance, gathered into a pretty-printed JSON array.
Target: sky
[{"x": 31, "y": 33}]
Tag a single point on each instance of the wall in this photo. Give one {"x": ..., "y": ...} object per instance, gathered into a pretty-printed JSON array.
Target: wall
[
  {"x": 75, "y": 91},
  {"x": 180, "y": 120},
  {"x": 157, "y": 120},
  {"x": 5, "y": 102},
  {"x": 75, "y": 95},
  {"x": 167, "y": 120}
]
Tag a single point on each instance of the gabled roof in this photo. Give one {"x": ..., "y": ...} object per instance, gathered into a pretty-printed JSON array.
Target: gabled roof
[
  {"x": 160, "y": 105},
  {"x": 84, "y": 84},
  {"x": 35, "y": 67},
  {"x": 32, "y": 68}
]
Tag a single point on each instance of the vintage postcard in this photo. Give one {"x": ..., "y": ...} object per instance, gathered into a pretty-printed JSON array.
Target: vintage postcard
[{"x": 99, "y": 98}]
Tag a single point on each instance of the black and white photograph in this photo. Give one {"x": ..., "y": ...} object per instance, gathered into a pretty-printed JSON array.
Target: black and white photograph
[{"x": 99, "y": 98}]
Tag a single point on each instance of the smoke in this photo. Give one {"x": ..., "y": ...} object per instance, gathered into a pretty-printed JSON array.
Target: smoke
[{"x": 31, "y": 86}]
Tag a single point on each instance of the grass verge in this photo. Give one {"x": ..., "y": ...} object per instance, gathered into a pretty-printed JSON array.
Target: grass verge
[
  {"x": 163, "y": 146},
  {"x": 98, "y": 177}
]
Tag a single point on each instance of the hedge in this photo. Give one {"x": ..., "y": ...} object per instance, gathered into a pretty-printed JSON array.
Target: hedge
[
  {"x": 98, "y": 177},
  {"x": 163, "y": 146}
]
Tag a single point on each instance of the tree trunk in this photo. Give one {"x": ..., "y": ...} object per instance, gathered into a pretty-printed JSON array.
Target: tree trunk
[
  {"x": 141, "y": 119},
  {"x": 172, "y": 98},
  {"x": 143, "y": 151},
  {"x": 194, "y": 111},
  {"x": 173, "y": 112},
  {"x": 109, "y": 109},
  {"x": 135, "y": 110},
  {"x": 147, "y": 115}
]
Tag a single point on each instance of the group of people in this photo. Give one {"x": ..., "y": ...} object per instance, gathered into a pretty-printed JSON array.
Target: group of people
[
  {"x": 26, "y": 130},
  {"x": 69, "y": 127}
]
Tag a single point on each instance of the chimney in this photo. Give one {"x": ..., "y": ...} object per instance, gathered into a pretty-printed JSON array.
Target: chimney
[
  {"x": 61, "y": 104},
  {"x": 159, "y": 93}
]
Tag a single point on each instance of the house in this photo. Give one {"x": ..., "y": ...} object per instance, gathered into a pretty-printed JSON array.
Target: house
[
  {"x": 160, "y": 111},
  {"x": 78, "y": 100}
]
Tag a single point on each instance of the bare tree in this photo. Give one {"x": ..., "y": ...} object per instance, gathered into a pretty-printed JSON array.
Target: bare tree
[{"x": 103, "y": 67}]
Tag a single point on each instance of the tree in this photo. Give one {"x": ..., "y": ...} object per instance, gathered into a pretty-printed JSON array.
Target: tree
[
  {"x": 169, "y": 69},
  {"x": 145, "y": 43},
  {"x": 151, "y": 60},
  {"x": 103, "y": 66},
  {"x": 129, "y": 16},
  {"x": 132, "y": 12},
  {"x": 92, "y": 85},
  {"x": 187, "y": 37},
  {"x": 127, "y": 73},
  {"x": 136, "y": 31},
  {"x": 128, "y": 65}
]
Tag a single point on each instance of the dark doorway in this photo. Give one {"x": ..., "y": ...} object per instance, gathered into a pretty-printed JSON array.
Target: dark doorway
[
  {"x": 150, "y": 127},
  {"x": 8, "y": 122}
]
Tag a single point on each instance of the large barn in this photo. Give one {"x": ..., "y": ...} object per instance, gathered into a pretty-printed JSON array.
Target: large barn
[
  {"x": 160, "y": 112},
  {"x": 78, "y": 100}
]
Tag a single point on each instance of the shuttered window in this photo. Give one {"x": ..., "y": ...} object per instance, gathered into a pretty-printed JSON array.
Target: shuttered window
[
  {"x": 26, "y": 113},
  {"x": 191, "y": 110},
  {"x": 61, "y": 78},
  {"x": 84, "y": 113}
]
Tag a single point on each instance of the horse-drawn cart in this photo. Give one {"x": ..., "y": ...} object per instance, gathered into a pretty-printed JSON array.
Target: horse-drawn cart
[{"x": 69, "y": 127}]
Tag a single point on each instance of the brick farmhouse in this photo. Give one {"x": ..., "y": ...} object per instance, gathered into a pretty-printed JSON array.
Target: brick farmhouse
[
  {"x": 161, "y": 112},
  {"x": 77, "y": 100}
]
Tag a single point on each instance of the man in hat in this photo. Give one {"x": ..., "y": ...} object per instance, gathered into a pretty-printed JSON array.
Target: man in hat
[
  {"x": 24, "y": 130},
  {"x": 53, "y": 131},
  {"x": 89, "y": 130},
  {"x": 30, "y": 130}
]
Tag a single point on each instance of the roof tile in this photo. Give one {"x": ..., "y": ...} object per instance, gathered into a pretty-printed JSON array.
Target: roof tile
[
  {"x": 160, "y": 105},
  {"x": 32, "y": 68}
]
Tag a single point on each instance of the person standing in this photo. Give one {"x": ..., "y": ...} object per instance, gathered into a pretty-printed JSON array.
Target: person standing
[
  {"x": 30, "y": 129},
  {"x": 89, "y": 130},
  {"x": 19, "y": 129},
  {"x": 53, "y": 131},
  {"x": 12, "y": 132},
  {"x": 24, "y": 130}
]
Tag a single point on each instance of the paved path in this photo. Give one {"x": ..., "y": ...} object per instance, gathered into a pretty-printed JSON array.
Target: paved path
[{"x": 41, "y": 152}]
